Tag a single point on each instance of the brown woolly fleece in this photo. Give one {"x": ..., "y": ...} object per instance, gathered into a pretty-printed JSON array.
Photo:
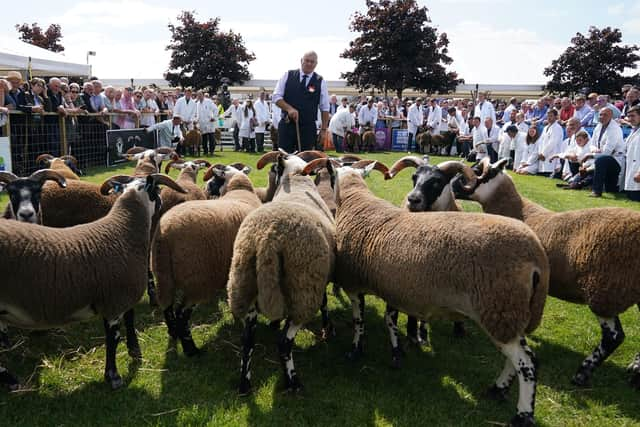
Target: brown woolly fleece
[
  {"x": 59, "y": 166},
  {"x": 283, "y": 256},
  {"x": 265, "y": 194},
  {"x": 432, "y": 263},
  {"x": 79, "y": 203},
  {"x": 192, "y": 248},
  {"x": 187, "y": 180},
  {"x": 593, "y": 253},
  {"x": 323, "y": 182},
  {"x": 50, "y": 273}
]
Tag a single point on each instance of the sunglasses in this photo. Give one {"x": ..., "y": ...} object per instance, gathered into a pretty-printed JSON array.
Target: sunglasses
[{"x": 74, "y": 91}]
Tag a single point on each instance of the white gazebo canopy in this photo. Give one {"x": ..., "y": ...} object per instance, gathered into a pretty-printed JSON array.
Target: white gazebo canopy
[{"x": 15, "y": 54}]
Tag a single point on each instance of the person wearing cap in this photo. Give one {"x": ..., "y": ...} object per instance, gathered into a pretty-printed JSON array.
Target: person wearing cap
[
  {"x": 415, "y": 118},
  {"x": 169, "y": 132},
  {"x": 299, "y": 94}
]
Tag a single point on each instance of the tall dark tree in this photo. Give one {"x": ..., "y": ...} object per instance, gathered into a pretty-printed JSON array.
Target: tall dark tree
[
  {"x": 49, "y": 40},
  {"x": 595, "y": 61},
  {"x": 398, "y": 49},
  {"x": 202, "y": 55}
]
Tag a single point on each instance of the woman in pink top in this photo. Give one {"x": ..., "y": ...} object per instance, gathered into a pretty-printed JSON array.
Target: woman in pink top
[{"x": 127, "y": 106}]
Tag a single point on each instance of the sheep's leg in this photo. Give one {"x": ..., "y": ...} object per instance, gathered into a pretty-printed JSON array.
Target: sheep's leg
[
  {"x": 418, "y": 336},
  {"x": 112, "y": 335},
  {"x": 391, "y": 319},
  {"x": 4, "y": 336},
  {"x": 634, "y": 369},
  {"x": 183, "y": 316},
  {"x": 458, "y": 329},
  {"x": 523, "y": 359},
  {"x": 151, "y": 290},
  {"x": 500, "y": 388},
  {"x": 357, "y": 305},
  {"x": 327, "y": 326},
  {"x": 612, "y": 337},
  {"x": 248, "y": 342},
  {"x": 285, "y": 346},
  {"x": 170, "y": 320},
  {"x": 133, "y": 346}
]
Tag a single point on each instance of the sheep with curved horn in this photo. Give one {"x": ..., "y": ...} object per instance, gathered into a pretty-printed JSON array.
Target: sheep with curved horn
[{"x": 66, "y": 165}]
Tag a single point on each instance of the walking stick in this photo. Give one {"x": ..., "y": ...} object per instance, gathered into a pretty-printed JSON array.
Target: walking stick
[{"x": 298, "y": 135}]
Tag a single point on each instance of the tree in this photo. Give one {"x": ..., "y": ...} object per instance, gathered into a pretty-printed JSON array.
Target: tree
[
  {"x": 49, "y": 40},
  {"x": 202, "y": 55},
  {"x": 595, "y": 61},
  {"x": 397, "y": 49}
]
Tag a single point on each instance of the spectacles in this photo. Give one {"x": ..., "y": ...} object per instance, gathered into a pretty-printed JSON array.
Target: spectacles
[{"x": 74, "y": 91}]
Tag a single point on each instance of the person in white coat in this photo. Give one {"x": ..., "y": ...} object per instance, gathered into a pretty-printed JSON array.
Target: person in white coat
[
  {"x": 169, "y": 133},
  {"x": 484, "y": 109},
  {"x": 340, "y": 122},
  {"x": 480, "y": 139},
  {"x": 206, "y": 118},
  {"x": 262, "y": 115},
  {"x": 609, "y": 150},
  {"x": 367, "y": 116},
  {"x": 493, "y": 139},
  {"x": 415, "y": 118},
  {"x": 511, "y": 142},
  {"x": 186, "y": 108},
  {"x": 528, "y": 165},
  {"x": 248, "y": 123},
  {"x": 578, "y": 163},
  {"x": 632, "y": 171},
  {"x": 434, "y": 117},
  {"x": 550, "y": 145}
]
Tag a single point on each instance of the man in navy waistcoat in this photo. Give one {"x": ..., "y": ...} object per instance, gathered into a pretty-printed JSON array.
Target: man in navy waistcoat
[{"x": 299, "y": 93}]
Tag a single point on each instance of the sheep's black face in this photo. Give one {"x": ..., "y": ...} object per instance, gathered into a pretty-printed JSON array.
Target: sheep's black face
[
  {"x": 73, "y": 167},
  {"x": 214, "y": 185},
  {"x": 458, "y": 182},
  {"x": 428, "y": 184},
  {"x": 25, "y": 199}
]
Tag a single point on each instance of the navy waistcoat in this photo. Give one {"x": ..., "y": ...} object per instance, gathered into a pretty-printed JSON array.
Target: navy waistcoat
[{"x": 305, "y": 100}]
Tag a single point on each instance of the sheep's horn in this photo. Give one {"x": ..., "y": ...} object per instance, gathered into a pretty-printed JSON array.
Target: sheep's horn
[
  {"x": 405, "y": 162},
  {"x": 173, "y": 163},
  {"x": 7, "y": 177},
  {"x": 47, "y": 174},
  {"x": 452, "y": 167},
  {"x": 161, "y": 179},
  {"x": 69, "y": 157},
  {"x": 45, "y": 157},
  {"x": 320, "y": 163},
  {"x": 500, "y": 164},
  {"x": 136, "y": 150},
  {"x": 209, "y": 173},
  {"x": 164, "y": 150},
  {"x": 485, "y": 167},
  {"x": 309, "y": 155},
  {"x": 349, "y": 158},
  {"x": 270, "y": 157},
  {"x": 108, "y": 183},
  {"x": 380, "y": 167},
  {"x": 204, "y": 162},
  {"x": 238, "y": 165}
]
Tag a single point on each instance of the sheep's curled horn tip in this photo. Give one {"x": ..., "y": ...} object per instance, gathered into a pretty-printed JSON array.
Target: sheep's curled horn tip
[
  {"x": 405, "y": 162},
  {"x": 159, "y": 179},
  {"x": 380, "y": 167},
  {"x": 71, "y": 158},
  {"x": 44, "y": 157},
  {"x": 38, "y": 176},
  {"x": 453, "y": 167}
]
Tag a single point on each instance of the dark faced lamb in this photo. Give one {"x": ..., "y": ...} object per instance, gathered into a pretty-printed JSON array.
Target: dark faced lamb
[
  {"x": 112, "y": 252},
  {"x": 593, "y": 254},
  {"x": 431, "y": 264},
  {"x": 67, "y": 165}
]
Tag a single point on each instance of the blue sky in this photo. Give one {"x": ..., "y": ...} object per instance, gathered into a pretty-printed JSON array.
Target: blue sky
[{"x": 496, "y": 41}]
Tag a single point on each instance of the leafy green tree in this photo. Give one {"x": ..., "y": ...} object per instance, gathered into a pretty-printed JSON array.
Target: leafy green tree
[{"x": 49, "y": 40}]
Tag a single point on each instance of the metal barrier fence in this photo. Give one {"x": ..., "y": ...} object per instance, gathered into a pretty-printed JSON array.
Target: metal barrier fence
[{"x": 82, "y": 136}]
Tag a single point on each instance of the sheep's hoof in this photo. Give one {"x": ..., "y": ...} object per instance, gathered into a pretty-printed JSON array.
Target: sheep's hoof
[
  {"x": 497, "y": 393},
  {"x": 523, "y": 420},
  {"x": 135, "y": 352},
  {"x": 245, "y": 387},
  {"x": 581, "y": 379},
  {"x": 113, "y": 379},
  {"x": 294, "y": 386},
  {"x": 458, "y": 330},
  {"x": 190, "y": 350}
]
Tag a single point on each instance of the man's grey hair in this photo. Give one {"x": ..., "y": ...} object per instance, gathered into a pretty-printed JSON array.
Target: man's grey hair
[
  {"x": 87, "y": 84},
  {"x": 55, "y": 80}
]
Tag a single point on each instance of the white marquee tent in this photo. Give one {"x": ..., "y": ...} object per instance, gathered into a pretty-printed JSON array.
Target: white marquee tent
[{"x": 15, "y": 55}]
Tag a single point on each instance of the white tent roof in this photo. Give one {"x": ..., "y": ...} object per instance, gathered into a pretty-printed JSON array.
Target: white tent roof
[{"x": 15, "y": 54}]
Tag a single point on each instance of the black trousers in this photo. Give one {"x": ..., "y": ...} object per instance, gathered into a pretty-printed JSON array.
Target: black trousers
[
  {"x": 288, "y": 140},
  {"x": 236, "y": 137},
  {"x": 260, "y": 142},
  {"x": 208, "y": 143}
]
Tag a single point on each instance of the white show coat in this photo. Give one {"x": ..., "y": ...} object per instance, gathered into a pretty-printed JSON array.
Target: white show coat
[
  {"x": 530, "y": 157},
  {"x": 434, "y": 119},
  {"x": 550, "y": 143},
  {"x": 186, "y": 110},
  {"x": 262, "y": 114},
  {"x": 205, "y": 111},
  {"x": 415, "y": 117},
  {"x": 633, "y": 160},
  {"x": 479, "y": 137}
]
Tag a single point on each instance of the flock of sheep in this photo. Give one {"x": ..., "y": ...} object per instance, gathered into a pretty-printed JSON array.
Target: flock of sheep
[{"x": 276, "y": 248}]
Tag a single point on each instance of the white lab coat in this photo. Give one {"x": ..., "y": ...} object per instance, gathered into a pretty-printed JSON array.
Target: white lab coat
[
  {"x": 367, "y": 117},
  {"x": 262, "y": 114},
  {"x": 415, "y": 118},
  {"x": 205, "y": 111},
  {"x": 573, "y": 148},
  {"x": 611, "y": 142},
  {"x": 633, "y": 160},
  {"x": 245, "y": 128},
  {"x": 434, "y": 119},
  {"x": 529, "y": 160},
  {"x": 186, "y": 110},
  {"x": 479, "y": 137},
  {"x": 549, "y": 144},
  {"x": 485, "y": 110},
  {"x": 341, "y": 120}
]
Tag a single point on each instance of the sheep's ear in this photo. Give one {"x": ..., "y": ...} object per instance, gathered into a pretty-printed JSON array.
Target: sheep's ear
[
  {"x": 500, "y": 164},
  {"x": 367, "y": 169},
  {"x": 246, "y": 170}
]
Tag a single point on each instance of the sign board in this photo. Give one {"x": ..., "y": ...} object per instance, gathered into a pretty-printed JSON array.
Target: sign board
[
  {"x": 399, "y": 140},
  {"x": 119, "y": 141},
  {"x": 382, "y": 139},
  {"x": 5, "y": 154}
]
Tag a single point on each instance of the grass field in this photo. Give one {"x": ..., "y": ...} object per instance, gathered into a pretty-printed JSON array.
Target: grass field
[{"x": 439, "y": 385}]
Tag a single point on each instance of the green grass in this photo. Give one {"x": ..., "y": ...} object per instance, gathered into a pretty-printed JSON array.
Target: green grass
[{"x": 438, "y": 385}]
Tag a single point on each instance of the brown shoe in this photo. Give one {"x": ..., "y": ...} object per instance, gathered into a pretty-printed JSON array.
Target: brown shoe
[{"x": 594, "y": 194}]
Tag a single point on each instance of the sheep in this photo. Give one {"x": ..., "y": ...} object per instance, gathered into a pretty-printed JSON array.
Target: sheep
[
  {"x": 368, "y": 141},
  {"x": 429, "y": 264},
  {"x": 150, "y": 160},
  {"x": 192, "y": 248},
  {"x": 67, "y": 166},
  {"x": 430, "y": 177},
  {"x": 283, "y": 258},
  {"x": 100, "y": 269},
  {"x": 593, "y": 255},
  {"x": 427, "y": 139},
  {"x": 214, "y": 183},
  {"x": 187, "y": 180},
  {"x": 193, "y": 141},
  {"x": 24, "y": 194},
  {"x": 352, "y": 141}
]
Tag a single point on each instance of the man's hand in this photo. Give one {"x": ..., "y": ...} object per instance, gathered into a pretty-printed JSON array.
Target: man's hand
[
  {"x": 293, "y": 114},
  {"x": 636, "y": 177},
  {"x": 541, "y": 157},
  {"x": 37, "y": 109}
]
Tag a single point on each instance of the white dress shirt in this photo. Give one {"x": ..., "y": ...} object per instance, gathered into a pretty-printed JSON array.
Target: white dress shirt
[
  {"x": 549, "y": 144},
  {"x": 341, "y": 120},
  {"x": 633, "y": 160},
  {"x": 262, "y": 114},
  {"x": 415, "y": 117},
  {"x": 276, "y": 115},
  {"x": 278, "y": 92}
]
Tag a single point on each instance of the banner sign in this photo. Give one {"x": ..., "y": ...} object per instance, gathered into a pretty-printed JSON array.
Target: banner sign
[
  {"x": 399, "y": 140},
  {"x": 5, "y": 154},
  {"x": 119, "y": 141}
]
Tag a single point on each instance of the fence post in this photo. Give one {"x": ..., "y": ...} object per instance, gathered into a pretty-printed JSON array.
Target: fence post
[{"x": 62, "y": 123}]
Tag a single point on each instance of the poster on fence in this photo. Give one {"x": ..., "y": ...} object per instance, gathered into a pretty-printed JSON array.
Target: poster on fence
[
  {"x": 119, "y": 141},
  {"x": 382, "y": 137},
  {"x": 399, "y": 140},
  {"x": 5, "y": 154}
]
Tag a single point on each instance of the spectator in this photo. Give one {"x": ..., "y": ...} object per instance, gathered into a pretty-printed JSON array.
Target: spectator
[
  {"x": 383, "y": 111},
  {"x": 248, "y": 123},
  {"x": 528, "y": 113},
  {"x": 395, "y": 115},
  {"x": 510, "y": 120},
  {"x": 569, "y": 147},
  {"x": 97, "y": 99},
  {"x": 434, "y": 117},
  {"x": 169, "y": 132},
  {"x": 368, "y": 116},
  {"x": 583, "y": 112},
  {"x": 32, "y": 102},
  {"x": 530, "y": 156},
  {"x": 578, "y": 164},
  {"x": 493, "y": 139},
  {"x": 500, "y": 117},
  {"x": 415, "y": 118},
  {"x": 557, "y": 104},
  {"x": 480, "y": 139},
  {"x": 550, "y": 144},
  {"x": 602, "y": 101},
  {"x": 521, "y": 124},
  {"x": 344, "y": 104},
  {"x": 609, "y": 152},
  {"x": 567, "y": 111},
  {"x": 127, "y": 108},
  {"x": 262, "y": 116},
  {"x": 6, "y": 104},
  {"x": 340, "y": 123},
  {"x": 333, "y": 105},
  {"x": 539, "y": 111},
  {"x": 632, "y": 173},
  {"x": 110, "y": 98},
  {"x": 511, "y": 142},
  {"x": 171, "y": 101},
  {"x": 631, "y": 99},
  {"x": 163, "y": 107},
  {"x": 186, "y": 108},
  {"x": 484, "y": 108},
  {"x": 206, "y": 115},
  {"x": 513, "y": 106},
  {"x": 465, "y": 139},
  {"x": 148, "y": 109},
  {"x": 453, "y": 128}
]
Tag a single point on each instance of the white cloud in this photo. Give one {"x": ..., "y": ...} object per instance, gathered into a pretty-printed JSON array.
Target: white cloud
[
  {"x": 259, "y": 30},
  {"x": 484, "y": 54},
  {"x": 615, "y": 9}
]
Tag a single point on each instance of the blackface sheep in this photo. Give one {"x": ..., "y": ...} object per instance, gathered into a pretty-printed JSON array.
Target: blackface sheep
[
  {"x": 192, "y": 248},
  {"x": 593, "y": 254},
  {"x": 25, "y": 193},
  {"x": 435, "y": 263},
  {"x": 67, "y": 165},
  {"x": 283, "y": 258},
  {"x": 100, "y": 268},
  {"x": 430, "y": 143},
  {"x": 427, "y": 179},
  {"x": 187, "y": 179}
]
